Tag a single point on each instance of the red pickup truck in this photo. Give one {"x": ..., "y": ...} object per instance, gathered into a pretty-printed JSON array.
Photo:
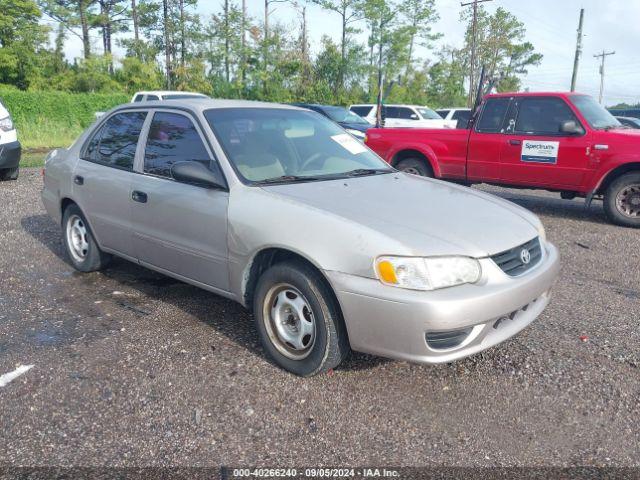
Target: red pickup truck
[{"x": 564, "y": 142}]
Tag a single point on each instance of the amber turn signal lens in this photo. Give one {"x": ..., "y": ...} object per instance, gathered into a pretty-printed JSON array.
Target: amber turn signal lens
[{"x": 387, "y": 272}]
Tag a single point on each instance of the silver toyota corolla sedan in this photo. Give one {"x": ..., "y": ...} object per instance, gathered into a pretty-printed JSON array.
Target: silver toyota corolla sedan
[{"x": 281, "y": 210}]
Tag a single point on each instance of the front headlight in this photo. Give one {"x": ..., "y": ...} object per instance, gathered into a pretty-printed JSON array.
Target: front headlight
[
  {"x": 418, "y": 273},
  {"x": 541, "y": 233},
  {"x": 6, "y": 124}
]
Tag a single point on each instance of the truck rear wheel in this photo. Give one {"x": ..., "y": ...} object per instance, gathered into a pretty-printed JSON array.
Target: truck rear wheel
[
  {"x": 415, "y": 166},
  {"x": 622, "y": 200}
]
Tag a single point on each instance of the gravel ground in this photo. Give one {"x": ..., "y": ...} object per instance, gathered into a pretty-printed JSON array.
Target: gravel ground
[{"x": 132, "y": 368}]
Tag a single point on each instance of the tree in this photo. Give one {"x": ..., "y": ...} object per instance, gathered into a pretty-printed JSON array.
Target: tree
[
  {"x": 22, "y": 40},
  {"x": 350, "y": 11},
  {"x": 500, "y": 47},
  {"x": 420, "y": 15},
  {"x": 72, "y": 14}
]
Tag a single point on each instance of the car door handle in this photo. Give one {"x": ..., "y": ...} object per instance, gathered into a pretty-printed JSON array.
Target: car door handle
[
  {"x": 515, "y": 142},
  {"x": 140, "y": 197},
  {"x": 78, "y": 180}
]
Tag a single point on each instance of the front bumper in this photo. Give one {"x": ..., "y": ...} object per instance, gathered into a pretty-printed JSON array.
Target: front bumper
[
  {"x": 10, "y": 154},
  {"x": 393, "y": 322}
]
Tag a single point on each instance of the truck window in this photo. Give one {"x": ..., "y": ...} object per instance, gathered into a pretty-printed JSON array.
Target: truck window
[
  {"x": 542, "y": 115},
  {"x": 462, "y": 116},
  {"x": 404, "y": 113},
  {"x": 493, "y": 114},
  {"x": 363, "y": 111},
  {"x": 443, "y": 113}
]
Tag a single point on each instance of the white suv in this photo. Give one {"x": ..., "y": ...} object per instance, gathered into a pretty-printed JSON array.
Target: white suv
[
  {"x": 164, "y": 95},
  {"x": 10, "y": 148},
  {"x": 413, "y": 116}
]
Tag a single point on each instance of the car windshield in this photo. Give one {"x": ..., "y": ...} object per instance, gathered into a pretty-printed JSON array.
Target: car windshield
[
  {"x": 597, "y": 116},
  {"x": 428, "y": 114},
  {"x": 339, "y": 114},
  {"x": 275, "y": 145}
]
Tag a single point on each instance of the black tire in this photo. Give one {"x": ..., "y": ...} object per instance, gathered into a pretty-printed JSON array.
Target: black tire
[
  {"x": 624, "y": 211},
  {"x": 415, "y": 166},
  {"x": 93, "y": 258},
  {"x": 9, "y": 173},
  {"x": 330, "y": 342}
]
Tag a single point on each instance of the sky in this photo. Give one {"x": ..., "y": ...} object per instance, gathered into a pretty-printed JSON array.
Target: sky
[{"x": 550, "y": 25}]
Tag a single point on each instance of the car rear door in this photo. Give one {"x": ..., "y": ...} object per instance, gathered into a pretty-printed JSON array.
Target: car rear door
[
  {"x": 178, "y": 227},
  {"x": 486, "y": 140},
  {"x": 535, "y": 152},
  {"x": 102, "y": 180}
]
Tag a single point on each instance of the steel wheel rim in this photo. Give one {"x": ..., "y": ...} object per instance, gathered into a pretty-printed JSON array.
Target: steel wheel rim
[
  {"x": 628, "y": 201},
  {"x": 77, "y": 238},
  {"x": 289, "y": 321}
]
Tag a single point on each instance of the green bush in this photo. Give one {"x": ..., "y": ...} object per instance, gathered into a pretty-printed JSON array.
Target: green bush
[{"x": 51, "y": 119}]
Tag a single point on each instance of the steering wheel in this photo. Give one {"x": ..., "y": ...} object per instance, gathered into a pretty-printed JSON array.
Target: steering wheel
[{"x": 310, "y": 160}]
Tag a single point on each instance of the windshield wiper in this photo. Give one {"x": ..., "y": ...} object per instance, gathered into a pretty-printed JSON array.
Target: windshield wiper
[
  {"x": 358, "y": 172},
  {"x": 289, "y": 179}
]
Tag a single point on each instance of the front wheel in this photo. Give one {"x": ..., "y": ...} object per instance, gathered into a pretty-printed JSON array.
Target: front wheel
[
  {"x": 622, "y": 200},
  {"x": 415, "y": 166},
  {"x": 298, "y": 319}
]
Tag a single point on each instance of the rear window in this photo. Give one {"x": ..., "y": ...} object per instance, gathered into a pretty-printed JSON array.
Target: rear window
[
  {"x": 493, "y": 114},
  {"x": 362, "y": 111}
]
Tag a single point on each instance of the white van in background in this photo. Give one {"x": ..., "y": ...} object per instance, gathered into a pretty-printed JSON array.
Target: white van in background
[
  {"x": 413, "y": 116},
  {"x": 10, "y": 148}
]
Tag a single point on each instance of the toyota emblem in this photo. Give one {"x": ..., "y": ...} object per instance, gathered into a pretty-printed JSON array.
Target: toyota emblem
[{"x": 525, "y": 256}]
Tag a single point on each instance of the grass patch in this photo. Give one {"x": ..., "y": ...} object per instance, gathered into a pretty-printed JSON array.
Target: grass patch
[
  {"x": 33, "y": 158},
  {"x": 45, "y": 134}
]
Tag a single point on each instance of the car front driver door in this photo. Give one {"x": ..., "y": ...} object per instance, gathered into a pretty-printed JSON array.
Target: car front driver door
[{"x": 537, "y": 152}]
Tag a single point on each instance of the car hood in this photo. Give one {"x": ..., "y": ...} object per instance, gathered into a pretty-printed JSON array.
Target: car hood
[
  {"x": 361, "y": 127},
  {"x": 429, "y": 217}
]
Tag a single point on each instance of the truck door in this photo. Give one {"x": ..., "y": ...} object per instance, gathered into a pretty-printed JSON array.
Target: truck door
[
  {"x": 486, "y": 139},
  {"x": 537, "y": 152}
]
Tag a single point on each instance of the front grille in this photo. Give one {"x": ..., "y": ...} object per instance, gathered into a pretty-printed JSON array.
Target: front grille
[
  {"x": 447, "y": 339},
  {"x": 511, "y": 261}
]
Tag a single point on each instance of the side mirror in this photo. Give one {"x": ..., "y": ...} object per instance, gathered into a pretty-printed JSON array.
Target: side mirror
[
  {"x": 195, "y": 173},
  {"x": 570, "y": 127},
  {"x": 414, "y": 116}
]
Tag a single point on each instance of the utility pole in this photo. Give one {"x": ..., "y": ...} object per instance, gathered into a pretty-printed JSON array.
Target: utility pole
[
  {"x": 602, "y": 56},
  {"x": 474, "y": 26},
  {"x": 576, "y": 59}
]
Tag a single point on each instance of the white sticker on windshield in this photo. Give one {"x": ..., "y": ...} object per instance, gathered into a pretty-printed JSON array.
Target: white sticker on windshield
[
  {"x": 539, "y": 151},
  {"x": 349, "y": 143}
]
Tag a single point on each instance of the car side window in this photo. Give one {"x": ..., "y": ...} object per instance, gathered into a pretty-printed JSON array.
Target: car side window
[
  {"x": 406, "y": 113},
  {"x": 493, "y": 114},
  {"x": 542, "y": 115},
  {"x": 138, "y": 98},
  {"x": 443, "y": 113},
  {"x": 173, "y": 138},
  {"x": 115, "y": 142},
  {"x": 362, "y": 111},
  {"x": 462, "y": 116},
  {"x": 150, "y": 98}
]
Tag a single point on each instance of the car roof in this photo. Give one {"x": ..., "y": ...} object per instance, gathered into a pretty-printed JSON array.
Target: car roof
[
  {"x": 534, "y": 94},
  {"x": 167, "y": 92},
  {"x": 204, "y": 103}
]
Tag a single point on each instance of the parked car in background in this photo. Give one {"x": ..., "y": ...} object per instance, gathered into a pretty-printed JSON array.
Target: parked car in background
[
  {"x": 351, "y": 122},
  {"x": 460, "y": 115},
  {"x": 413, "y": 116},
  {"x": 625, "y": 112},
  {"x": 561, "y": 142},
  {"x": 10, "y": 149},
  {"x": 164, "y": 95},
  {"x": 630, "y": 122},
  {"x": 278, "y": 208}
]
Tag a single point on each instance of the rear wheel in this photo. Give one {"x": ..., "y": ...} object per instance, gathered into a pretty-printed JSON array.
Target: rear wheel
[
  {"x": 9, "y": 173},
  {"x": 415, "y": 166},
  {"x": 298, "y": 320},
  {"x": 81, "y": 246},
  {"x": 622, "y": 200}
]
